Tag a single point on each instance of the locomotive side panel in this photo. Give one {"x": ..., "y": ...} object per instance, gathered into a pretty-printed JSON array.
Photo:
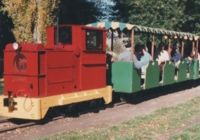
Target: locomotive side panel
[
  {"x": 94, "y": 71},
  {"x": 93, "y": 58},
  {"x": 61, "y": 72}
]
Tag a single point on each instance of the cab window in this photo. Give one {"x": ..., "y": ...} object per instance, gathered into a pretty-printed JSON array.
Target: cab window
[
  {"x": 94, "y": 40},
  {"x": 64, "y": 35}
]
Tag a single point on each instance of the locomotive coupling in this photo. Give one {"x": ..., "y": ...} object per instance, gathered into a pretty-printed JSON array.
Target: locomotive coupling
[{"x": 10, "y": 103}]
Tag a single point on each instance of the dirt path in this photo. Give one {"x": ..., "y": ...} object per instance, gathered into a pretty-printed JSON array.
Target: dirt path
[{"x": 107, "y": 117}]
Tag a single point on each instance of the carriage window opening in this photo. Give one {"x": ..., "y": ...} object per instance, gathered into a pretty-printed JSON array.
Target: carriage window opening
[
  {"x": 64, "y": 35},
  {"x": 94, "y": 40}
]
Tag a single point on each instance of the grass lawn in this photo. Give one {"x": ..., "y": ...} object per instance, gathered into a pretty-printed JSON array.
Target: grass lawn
[
  {"x": 152, "y": 126},
  {"x": 189, "y": 134}
]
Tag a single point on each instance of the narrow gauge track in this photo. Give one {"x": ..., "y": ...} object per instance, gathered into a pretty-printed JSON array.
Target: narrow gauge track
[
  {"x": 7, "y": 125},
  {"x": 3, "y": 120}
]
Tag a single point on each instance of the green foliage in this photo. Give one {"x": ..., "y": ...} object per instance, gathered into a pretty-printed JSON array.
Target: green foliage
[
  {"x": 191, "y": 16},
  {"x": 6, "y": 25},
  {"x": 78, "y": 12},
  {"x": 44, "y": 16},
  {"x": 121, "y": 10},
  {"x": 175, "y": 14},
  {"x": 30, "y": 18},
  {"x": 22, "y": 22}
]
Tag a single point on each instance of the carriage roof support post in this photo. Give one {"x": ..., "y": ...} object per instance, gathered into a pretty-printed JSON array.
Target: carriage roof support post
[
  {"x": 193, "y": 49},
  {"x": 197, "y": 45},
  {"x": 197, "y": 49},
  {"x": 112, "y": 35},
  {"x": 182, "y": 48},
  {"x": 152, "y": 47},
  {"x": 132, "y": 41},
  {"x": 169, "y": 45}
]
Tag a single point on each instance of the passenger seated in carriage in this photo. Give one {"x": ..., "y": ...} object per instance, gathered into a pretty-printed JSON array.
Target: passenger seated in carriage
[
  {"x": 188, "y": 54},
  {"x": 123, "y": 51},
  {"x": 126, "y": 52},
  {"x": 176, "y": 54},
  {"x": 164, "y": 55},
  {"x": 141, "y": 58}
]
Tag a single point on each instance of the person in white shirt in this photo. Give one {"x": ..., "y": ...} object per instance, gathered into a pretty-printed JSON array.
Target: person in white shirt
[
  {"x": 125, "y": 55},
  {"x": 164, "y": 54}
]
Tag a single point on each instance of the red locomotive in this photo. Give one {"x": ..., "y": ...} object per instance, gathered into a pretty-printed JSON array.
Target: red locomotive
[{"x": 70, "y": 68}]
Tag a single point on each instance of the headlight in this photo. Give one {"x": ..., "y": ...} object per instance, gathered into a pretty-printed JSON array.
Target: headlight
[{"x": 15, "y": 46}]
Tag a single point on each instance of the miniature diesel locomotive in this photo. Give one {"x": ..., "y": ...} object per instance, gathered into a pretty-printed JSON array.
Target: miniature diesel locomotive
[{"x": 72, "y": 68}]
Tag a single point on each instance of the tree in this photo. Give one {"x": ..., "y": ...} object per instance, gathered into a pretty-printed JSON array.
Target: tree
[
  {"x": 30, "y": 18},
  {"x": 78, "y": 12},
  {"x": 191, "y": 16},
  {"x": 6, "y": 26},
  {"x": 121, "y": 10},
  {"x": 6, "y": 35},
  {"x": 152, "y": 13},
  {"x": 180, "y": 15}
]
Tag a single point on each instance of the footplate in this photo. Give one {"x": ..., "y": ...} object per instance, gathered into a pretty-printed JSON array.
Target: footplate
[{"x": 36, "y": 108}]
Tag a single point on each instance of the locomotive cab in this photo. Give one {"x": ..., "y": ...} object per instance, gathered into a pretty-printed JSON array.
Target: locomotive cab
[{"x": 69, "y": 68}]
